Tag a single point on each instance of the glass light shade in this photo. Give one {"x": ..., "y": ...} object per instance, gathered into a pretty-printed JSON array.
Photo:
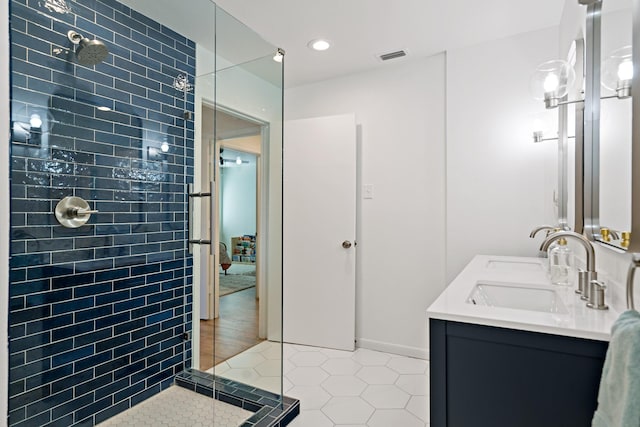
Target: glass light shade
[
  {"x": 617, "y": 70},
  {"x": 35, "y": 121},
  {"x": 551, "y": 81}
]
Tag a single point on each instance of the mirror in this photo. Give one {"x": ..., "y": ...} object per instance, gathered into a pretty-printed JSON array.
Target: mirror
[
  {"x": 570, "y": 145},
  {"x": 610, "y": 170}
]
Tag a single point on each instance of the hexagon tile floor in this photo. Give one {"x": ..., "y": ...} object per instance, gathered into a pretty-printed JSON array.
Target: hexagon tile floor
[
  {"x": 339, "y": 388},
  {"x": 179, "y": 407}
]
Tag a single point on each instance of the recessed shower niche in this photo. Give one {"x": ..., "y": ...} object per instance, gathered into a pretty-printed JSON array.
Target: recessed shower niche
[{"x": 106, "y": 106}]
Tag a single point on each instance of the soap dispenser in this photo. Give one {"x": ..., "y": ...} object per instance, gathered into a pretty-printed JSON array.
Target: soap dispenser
[{"x": 561, "y": 264}]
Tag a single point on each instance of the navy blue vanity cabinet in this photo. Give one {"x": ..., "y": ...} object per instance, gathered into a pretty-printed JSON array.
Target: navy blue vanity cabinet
[{"x": 484, "y": 376}]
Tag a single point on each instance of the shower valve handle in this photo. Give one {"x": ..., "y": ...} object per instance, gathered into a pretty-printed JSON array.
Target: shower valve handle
[
  {"x": 76, "y": 212},
  {"x": 73, "y": 212}
]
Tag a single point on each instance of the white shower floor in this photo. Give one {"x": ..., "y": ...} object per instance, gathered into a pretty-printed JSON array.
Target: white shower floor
[{"x": 179, "y": 407}]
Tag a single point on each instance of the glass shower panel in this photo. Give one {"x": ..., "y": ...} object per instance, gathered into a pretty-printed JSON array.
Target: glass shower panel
[
  {"x": 103, "y": 127},
  {"x": 249, "y": 89}
]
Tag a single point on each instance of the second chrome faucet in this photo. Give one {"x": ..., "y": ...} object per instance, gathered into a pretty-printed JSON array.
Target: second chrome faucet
[{"x": 589, "y": 287}]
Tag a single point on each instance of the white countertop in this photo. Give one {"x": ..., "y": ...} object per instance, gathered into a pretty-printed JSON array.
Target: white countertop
[{"x": 580, "y": 322}]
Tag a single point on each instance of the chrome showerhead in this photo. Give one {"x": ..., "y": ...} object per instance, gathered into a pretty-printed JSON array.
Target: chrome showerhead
[{"x": 88, "y": 52}]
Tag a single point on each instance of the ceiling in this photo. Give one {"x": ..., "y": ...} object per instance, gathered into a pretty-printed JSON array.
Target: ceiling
[
  {"x": 358, "y": 29},
  {"x": 361, "y": 29}
]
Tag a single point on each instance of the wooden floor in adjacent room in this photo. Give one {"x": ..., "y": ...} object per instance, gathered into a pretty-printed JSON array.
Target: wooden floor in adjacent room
[{"x": 236, "y": 329}]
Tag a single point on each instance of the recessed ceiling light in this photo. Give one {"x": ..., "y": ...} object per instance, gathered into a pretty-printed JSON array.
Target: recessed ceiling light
[{"x": 319, "y": 44}]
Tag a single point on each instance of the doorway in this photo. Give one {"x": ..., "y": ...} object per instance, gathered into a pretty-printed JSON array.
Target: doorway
[{"x": 233, "y": 159}]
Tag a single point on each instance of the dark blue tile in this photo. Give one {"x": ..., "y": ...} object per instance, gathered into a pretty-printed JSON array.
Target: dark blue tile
[
  {"x": 173, "y": 284},
  {"x": 17, "y": 388},
  {"x": 129, "y": 391},
  {"x": 84, "y": 291},
  {"x": 22, "y": 316},
  {"x": 49, "y": 297},
  {"x": 129, "y": 369},
  {"x": 149, "y": 350},
  {"x": 113, "y": 229},
  {"x": 133, "y": 260},
  {"x": 173, "y": 54},
  {"x": 128, "y": 304},
  {"x": 100, "y": 264},
  {"x": 164, "y": 374},
  {"x": 93, "y": 313},
  {"x": 29, "y": 369},
  {"x": 38, "y": 420},
  {"x": 29, "y": 260},
  {"x": 111, "y": 411},
  {"x": 162, "y": 336},
  {"x": 18, "y": 205},
  {"x": 49, "y": 350},
  {"x": 112, "y": 320},
  {"x": 18, "y": 289},
  {"x": 72, "y": 331},
  {"x": 70, "y": 356},
  {"x": 145, "y": 311},
  {"x": 70, "y": 256},
  {"x": 94, "y": 384},
  {"x": 48, "y": 245},
  {"x": 48, "y": 376},
  {"x": 129, "y": 348},
  {"x": 74, "y": 305},
  {"x": 102, "y": 29},
  {"x": 93, "y": 361},
  {"x": 72, "y": 405},
  {"x": 129, "y": 239},
  {"x": 94, "y": 146},
  {"x": 112, "y": 297},
  {"x": 88, "y": 411},
  {"x": 49, "y": 323},
  {"x": 145, "y": 394},
  {"x": 75, "y": 280}
]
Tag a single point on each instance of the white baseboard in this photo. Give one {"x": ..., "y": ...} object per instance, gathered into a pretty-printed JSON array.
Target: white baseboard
[{"x": 402, "y": 350}]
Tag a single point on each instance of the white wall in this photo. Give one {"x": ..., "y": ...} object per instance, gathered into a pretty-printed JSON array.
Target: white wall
[
  {"x": 400, "y": 113},
  {"x": 495, "y": 173},
  {"x": 238, "y": 200},
  {"x": 4, "y": 210}
]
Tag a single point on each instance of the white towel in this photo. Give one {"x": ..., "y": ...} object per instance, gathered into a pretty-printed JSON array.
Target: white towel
[{"x": 619, "y": 394}]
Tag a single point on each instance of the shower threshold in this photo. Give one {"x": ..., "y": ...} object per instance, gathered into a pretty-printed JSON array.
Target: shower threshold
[{"x": 269, "y": 410}]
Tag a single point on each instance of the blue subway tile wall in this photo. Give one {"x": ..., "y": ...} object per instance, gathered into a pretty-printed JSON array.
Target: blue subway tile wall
[{"x": 97, "y": 313}]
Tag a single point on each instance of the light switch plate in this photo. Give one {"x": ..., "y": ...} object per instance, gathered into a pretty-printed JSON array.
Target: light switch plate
[{"x": 367, "y": 191}]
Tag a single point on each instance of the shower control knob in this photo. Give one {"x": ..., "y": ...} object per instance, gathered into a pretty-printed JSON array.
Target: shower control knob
[{"x": 73, "y": 212}]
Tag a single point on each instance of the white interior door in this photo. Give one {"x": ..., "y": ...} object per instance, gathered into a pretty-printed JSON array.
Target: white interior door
[{"x": 319, "y": 217}]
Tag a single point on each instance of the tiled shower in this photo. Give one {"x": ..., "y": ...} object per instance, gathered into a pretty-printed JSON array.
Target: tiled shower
[
  {"x": 106, "y": 294},
  {"x": 99, "y": 315}
]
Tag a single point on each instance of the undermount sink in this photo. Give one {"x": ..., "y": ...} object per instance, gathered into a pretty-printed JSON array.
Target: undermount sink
[
  {"x": 517, "y": 296},
  {"x": 495, "y": 264}
]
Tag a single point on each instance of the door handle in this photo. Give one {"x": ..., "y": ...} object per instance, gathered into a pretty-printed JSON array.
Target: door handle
[
  {"x": 346, "y": 244},
  {"x": 191, "y": 194}
]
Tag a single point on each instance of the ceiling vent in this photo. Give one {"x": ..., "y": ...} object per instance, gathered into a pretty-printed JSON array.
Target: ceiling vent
[{"x": 392, "y": 55}]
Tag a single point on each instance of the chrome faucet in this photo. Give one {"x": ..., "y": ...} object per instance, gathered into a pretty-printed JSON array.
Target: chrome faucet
[
  {"x": 585, "y": 278},
  {"x": 541, "y": 254},
  {"x": 538, "y": 229}
]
